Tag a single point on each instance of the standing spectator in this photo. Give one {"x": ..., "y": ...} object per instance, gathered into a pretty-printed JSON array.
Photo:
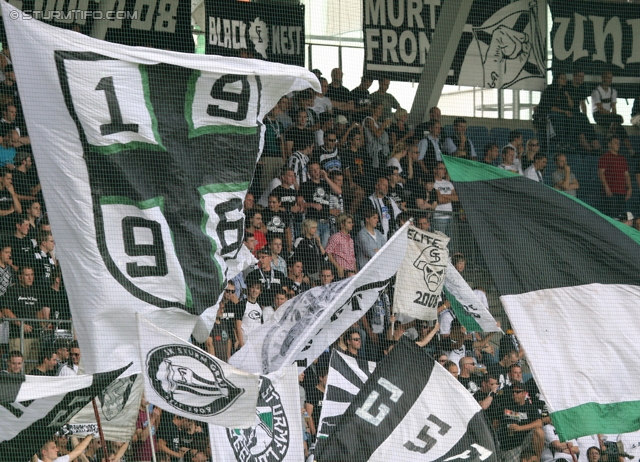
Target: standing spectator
[
  {"x": 287, "y": 193},
  {"x": 172, "y": 436},
  {"x": 276, "y": 220},
  {"x": 387, "y": 100},
  {"x": 370, "y": 239},
  {"x": 313, "y": 197},
  {"x": 446, "y": 196},
  {"x": 47, "y": 362},
  {"x": 296, "y": 280},
  {"x": 361, "y": 97},
  {"x": 429, "y": 146},
  {"x": 15, "y": 362},
  {"x": 376, "y": 136},
  {"x": 21, "y": 246},
  {"x": 563, "y": 179},
  {"x": 10, "y": 206},
  {"x": 613, "y": 172},
  {"x": 300, "y": 158},
  {"x": 273, "y": 156},
  {"x": 554, "y": 450},
  {"x": 145, "y": 431},
  {"x": 336, "y": 201},
  {"x": 55, "y": 297},
  {"x": 254, "y": 218},
  {"x": 249, "y": 313},
  {"x": 309, "y": 250},
  {"x": 339, "y": 95},
  {"x": 23, "y": 301},
  {"x": 74, "y": 348},
  {"x": 328, "y": 155},
  {"x": 516, "y": 142},
  {"x": 298, "y": 132},
  {"x": 64, "y": 368},
  {"x": 358, "y": 172},
  {"x": 279, "y": 298},
  {"x": 535, "y": 171},
  {"x": 579, "y": 92},
  {"x": 315, "y": 397},
  {"x": 353, "y": 341},
  {"x": 396, "y": 189},
  {"x": 604, "y": 108},
  {"x": 500, "y": 370},
  {"x": 25, "y": 183},
  {"x": 275, "y": 246},
  {"x": 270, "y": 280},
  {"x": 49, "y": 451},
  {"x": 399, "y": 131},
  {"x": 399, "y": 152},
  {"x": 322, "y": 103},
  {"x": 459, "y": 145},
  {"x": 532, "y": 148},
  {"x": 387, "y": 209},
  {"x": 219, "y": 341},
  {"x": 340, "y": 248},
  {"x": 43, "y": 261},
  {"x": 33, "y": 215},
  {"x": 557, "y": 105}
]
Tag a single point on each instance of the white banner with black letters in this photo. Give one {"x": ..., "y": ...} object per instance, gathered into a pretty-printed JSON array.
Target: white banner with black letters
[
  {"x": 185, "y": 380},
  {"x": 277, "y": 436},
  {"x": 410, "y": 409},
  {"x": 145, "y": 157},
  {"x": 306, "y": 325},
  {"x": 421, "y": 276}
]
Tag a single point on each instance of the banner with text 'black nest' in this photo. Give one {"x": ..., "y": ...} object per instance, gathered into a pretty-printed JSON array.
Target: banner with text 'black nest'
[{"x": 145, "y": 157}]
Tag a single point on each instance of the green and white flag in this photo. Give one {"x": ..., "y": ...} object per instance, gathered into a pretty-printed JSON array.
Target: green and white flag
[{"x": 569, "y": 280}]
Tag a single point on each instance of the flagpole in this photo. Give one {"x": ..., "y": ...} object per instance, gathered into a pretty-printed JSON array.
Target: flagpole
[
  {"x": 153, "y": 446},
  {"x": 102, "y": 440}
]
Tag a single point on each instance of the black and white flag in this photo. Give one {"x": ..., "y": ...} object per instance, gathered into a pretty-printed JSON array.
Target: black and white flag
[
  {"x": 422, "y": 274},
  {"x": 410, "y": 409},
  {"x": 33, "y": 409},
  {"x": 145, "y": 157},
  {"x": 185, "y": 380},
  {"x": 302, "y": 328},
  {"x": 346, "y": 377}
]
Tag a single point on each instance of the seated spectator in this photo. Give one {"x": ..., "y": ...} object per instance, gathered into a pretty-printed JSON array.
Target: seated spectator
[
  {"x": 248, "y": 316},
  {"x": 8, "y": 121},
  {"x": 519, "y": 426},
  {"x": 508, "y": 160},
  {"x": 15, "y": 361},
  {"x": 47, "y": 361},
  {"x": 532, "y": 148},
  {"x": 370, "y": 238},
  {"x": 459, "y": 145},
  {"x": 385, "y": 206},
  {"x": 604, "y": 108},
  {"x": 452, "y": 368},
  {"x": 249, "y": 203},
  {"x": 399, "y": 130},
  {"x": 535, "y": 171},
  {"x": 515, "y": 140},
  {"x": 309, "y": 249},
  {"x": 7, "y": 150},
  {"x": 490, "y": 154},
  {"x": 376, "y": 136},
  {"x": 340, "y": 248},
  {"x": 563, "y": 179},
  {"x": 500, "y": 370},
  {"x": 297, "y": 282},
  {"x": 10, "y": 206},
  {"x": 254, "y": 219}
]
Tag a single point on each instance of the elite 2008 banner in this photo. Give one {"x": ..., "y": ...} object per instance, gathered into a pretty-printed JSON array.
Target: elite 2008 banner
[{"x": 144, "y": 157}]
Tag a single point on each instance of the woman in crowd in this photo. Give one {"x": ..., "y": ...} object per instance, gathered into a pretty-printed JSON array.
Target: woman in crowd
[
  {"x": 399, "y": 152},
  {"x": 532, "y": 148}
]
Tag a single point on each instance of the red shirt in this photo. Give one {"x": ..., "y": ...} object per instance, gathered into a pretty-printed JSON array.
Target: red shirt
[
  {"x": 340, "y": 245},
  {"x": 614, "y": 167}
]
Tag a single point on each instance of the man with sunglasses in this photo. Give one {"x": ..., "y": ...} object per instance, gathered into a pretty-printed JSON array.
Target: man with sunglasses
[
  {"x": 520, "y": 425},
  {"x": 353, "y": 340}
]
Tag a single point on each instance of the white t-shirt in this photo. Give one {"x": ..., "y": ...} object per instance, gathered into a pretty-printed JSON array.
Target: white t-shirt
[
  {"x": 584, "y": 443},
  {"x": 446, "y": 189},
  {"x": 251, "y": 319},
  {"x": 393, "y": 162},
  {"x": 445, "y": 319},
  {"x": 532, "y": 174},
  {"x": 322, "y": 104},
  {"x": 598, "y": 95},
  {"x": 59, "y": 459},
  {"x": 631, "y": 443}
]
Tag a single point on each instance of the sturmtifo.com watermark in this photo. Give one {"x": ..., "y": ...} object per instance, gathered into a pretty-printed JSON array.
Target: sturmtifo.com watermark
[{"x": 76, "y": 15}]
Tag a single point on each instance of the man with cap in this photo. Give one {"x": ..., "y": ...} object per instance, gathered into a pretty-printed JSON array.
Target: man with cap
[{"x": 626, "y": 218}]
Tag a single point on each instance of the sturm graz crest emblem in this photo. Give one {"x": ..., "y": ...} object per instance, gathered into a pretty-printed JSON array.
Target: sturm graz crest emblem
[
  {"x": 114, "y": 398},
  {"x": 269, "y": 440},
  {"x": 189, "y": 380}
]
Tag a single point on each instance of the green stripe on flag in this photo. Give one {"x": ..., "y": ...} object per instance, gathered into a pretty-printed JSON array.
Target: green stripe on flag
[
  {"x": 468, "y": 321},
  {"x": 594, "y": 418}
]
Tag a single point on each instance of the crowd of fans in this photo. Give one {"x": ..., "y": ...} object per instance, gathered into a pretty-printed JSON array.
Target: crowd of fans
[{"x": 340, "y": 173}]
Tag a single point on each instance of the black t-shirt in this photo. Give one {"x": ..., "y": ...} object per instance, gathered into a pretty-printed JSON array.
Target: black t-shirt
[
  {"x": 7, "y": 222},
  {"x": 24, "y": 302},
  {"x": 308, "y": 252},
  {"x": 316, "y": 193},
  {"x": 22, "y": 183},
  {"x": 359, "y": 165},
  {"x": 578, "y": 94},
  {"x": 58, "y": 301},
  {"x": 43, "y": 266},
  {"x": 276, "y": 222},
  {"x": 221, "y": 334},
  {"x": 472, "y": 384},
  {"x": 172, "y": 435},
  {"x": 397, "y": 194},
  {"x": 315, "y": 397},
  {"x": 341, "y": 94},
  {"x": 513, "y": 413},
  {"x": 361, "y": 98},
  {"x": 297, "y": 288},
  {"x": 499, "y": 372},
  {"x": 21, "y": 250},
  {"x": 296, "y": 134},
  {"x": 287, "y": 197},
  {"x": 272, "y": 281}
]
